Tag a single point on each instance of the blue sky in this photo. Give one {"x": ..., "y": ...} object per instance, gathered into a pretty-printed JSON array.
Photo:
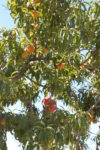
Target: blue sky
[
  {"x": 5, "y": 18},
  {"x": 7, "y": 21}
]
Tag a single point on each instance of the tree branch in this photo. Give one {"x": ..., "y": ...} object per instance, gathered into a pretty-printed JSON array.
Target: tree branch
[
  {"x": 29, "y": 105},
  {"x": 25, "y": 65}
]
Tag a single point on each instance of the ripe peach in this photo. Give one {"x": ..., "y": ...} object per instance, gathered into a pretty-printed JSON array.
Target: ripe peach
[
  {"x": 30, "y": 49},
  {"x": 46, "y": 100},
  {"x": 24, "y": 54},
  {"x": 35, "y": 1},
  {"x": 52, "y": 108},
  {"x": 61, "y": 66},
  {"x": 35, "y": 14},
  {"x": 2, "y": 122}
]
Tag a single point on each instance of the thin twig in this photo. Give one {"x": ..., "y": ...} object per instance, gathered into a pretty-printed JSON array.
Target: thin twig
[
  {"x": 92, "y": 133},
  {"x": 35, "y": 47},
  {"x": 38, "y": 59},
  {"x": 93, "y": 54},
  {"x": 35, "y": 82},
  {"x": 94, "y": 106},
  {"x": 77, "y": 141}
]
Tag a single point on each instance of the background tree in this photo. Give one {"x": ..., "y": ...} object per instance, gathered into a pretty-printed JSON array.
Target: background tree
[{"x": 44, "y": 55}]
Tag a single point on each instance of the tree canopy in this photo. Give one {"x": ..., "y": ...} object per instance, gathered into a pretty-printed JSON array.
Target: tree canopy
[{"x": 54, "y": 51}]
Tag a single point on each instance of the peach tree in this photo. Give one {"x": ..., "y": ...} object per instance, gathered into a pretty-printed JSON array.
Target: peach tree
[{"x": 53, "y": 51}]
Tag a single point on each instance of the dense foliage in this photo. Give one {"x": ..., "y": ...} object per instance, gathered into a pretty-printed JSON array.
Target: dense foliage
[{"x": 53, "y": 51}]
